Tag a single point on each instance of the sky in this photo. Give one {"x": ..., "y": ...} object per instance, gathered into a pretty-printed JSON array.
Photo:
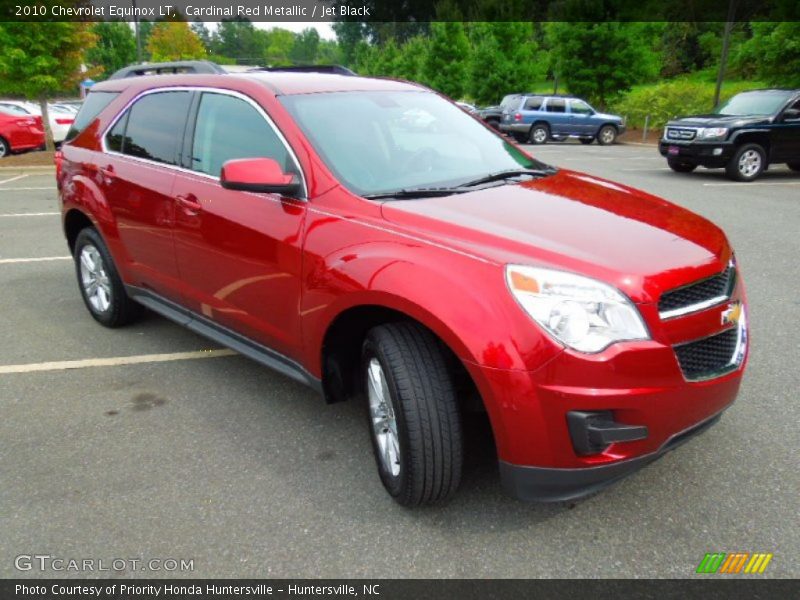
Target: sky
[{"x": 324, "y": 29}]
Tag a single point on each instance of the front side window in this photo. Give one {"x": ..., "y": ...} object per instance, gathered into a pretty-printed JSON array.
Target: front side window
[
  {"x": 379, "y": 142},
  {"x": 579, "y": 107},
  {"x": 153, "y": 127},
  {"x": 228, "y": 128},
  {"x": 556, "y": 105}
]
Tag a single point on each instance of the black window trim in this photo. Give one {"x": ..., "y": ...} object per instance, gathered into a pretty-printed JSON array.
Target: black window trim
[{"x": 188, "y": 131}]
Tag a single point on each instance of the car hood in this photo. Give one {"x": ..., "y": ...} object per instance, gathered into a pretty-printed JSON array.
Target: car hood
[
  {"x": 608, "y": 116},
  {"x": 713, "y": 120},
  {"x": 575, "y": 222}
]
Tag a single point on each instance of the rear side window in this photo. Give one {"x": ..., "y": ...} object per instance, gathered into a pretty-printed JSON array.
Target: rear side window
[
  {"x": 228, "y": 128},
  {"x": 93, "y": 105},
  {"x": 152, "y": 128},
  {"x": 534, "y": 103},
  {"x": 556, "y": 105},
  {"x": 510, "y": 101}
]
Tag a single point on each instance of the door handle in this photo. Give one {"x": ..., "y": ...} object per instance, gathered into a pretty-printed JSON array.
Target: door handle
[{"x": 190, "y": 204}]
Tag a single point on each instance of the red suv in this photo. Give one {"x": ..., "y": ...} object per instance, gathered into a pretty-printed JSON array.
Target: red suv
[{"x": 370, "y": 239}]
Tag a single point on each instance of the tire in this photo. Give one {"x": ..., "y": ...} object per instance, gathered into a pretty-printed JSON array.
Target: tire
[
  {"x": 680, "y": 166},
  {"x": 493, "y": 123},
  {"x": 607, "y": 135},
  {"x": 539, "y": 133},
  {"x": 794, "y": 166},
  {"x": 412, "y": 409},
  {"x": 586, "y": 141},
  {"x": 5, "y": 149},
  {"x": 747, "y": 163},
  {"x": 109, "y": 304}
]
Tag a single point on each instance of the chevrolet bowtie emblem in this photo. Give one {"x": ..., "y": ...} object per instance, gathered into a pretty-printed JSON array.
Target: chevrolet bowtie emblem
[{"x": 732, "y": 315}]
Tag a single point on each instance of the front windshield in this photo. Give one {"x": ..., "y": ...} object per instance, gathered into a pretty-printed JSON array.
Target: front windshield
[
  {"x": 753, "y": 103},
  {"x": 379, "y": 142}
]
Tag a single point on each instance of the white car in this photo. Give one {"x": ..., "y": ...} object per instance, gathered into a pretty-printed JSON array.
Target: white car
[{"x": 61, "y": 119}]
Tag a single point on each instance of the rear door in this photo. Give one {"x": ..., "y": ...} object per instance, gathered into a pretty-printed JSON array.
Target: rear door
[
  {"x": 239, "y": 253},
  {"x": 137, "y": 172},
  {"x": 557, "y": 117}
]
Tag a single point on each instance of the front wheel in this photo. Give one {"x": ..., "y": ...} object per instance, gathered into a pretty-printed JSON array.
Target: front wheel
[
  {"x": 747, "y": 163},
  {"x": 680, "y": 166},
  {"x": 5, "y": 149},
  {"x": 413, "y": 414},
  {"x": 607, "y": 135},
  {"x": 101, "y": 287},
  {"x": 539, "y": 134}
]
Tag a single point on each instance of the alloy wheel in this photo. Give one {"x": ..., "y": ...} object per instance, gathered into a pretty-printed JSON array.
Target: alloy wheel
[
  {"x": 749, "y": 163},
  {"x": 383, "y": 419},
  {"x": 94, "y": 279}
]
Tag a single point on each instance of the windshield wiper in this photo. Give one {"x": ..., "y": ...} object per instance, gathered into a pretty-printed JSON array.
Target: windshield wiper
[
  {"x": 425, "y": 192},
  {"x": 507, "y": 175}
]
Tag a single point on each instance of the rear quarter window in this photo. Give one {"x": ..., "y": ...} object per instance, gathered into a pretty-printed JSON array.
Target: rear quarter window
[{"x": 93, "y": 105}]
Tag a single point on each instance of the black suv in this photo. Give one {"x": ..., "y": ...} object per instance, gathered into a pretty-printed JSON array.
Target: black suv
[{"x": 744, "y": 135}]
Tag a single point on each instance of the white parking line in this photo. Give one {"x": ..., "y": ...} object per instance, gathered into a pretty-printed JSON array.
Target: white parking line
[
  {"x": 751, "y": 184},
  {"x": 13, "y": 179},
  {"x": 44, "y": 214},
  {"x": 113, "y": 362},
  {"x": 9, "y": 261}
]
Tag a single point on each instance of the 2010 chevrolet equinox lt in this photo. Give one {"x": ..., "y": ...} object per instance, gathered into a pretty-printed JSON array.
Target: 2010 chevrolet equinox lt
[{"x": 370, "y": 239}]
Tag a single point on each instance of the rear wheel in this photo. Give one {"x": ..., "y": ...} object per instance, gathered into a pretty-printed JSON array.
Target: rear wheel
[
  {"x": 747, "y": 163},
  {"x": 794, "y": 166},
  {"x": 680, "y": 166},
  {"x": 101, "y": 287},
  {"x": 5, "y": 149},
  {"x": 493, "y": 123},
  {"x": 413, "y": 414},
  {"x": 607, "y": 135},
  {"x": 539, "y": 133}
]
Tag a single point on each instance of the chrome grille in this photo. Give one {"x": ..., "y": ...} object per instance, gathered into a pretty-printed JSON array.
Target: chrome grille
[
  {"x": 680, "y": 134},
  {"x": 699, "y": 295}
]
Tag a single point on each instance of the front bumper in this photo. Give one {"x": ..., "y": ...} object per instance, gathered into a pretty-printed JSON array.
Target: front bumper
[
  {"x": 707, "y": 154},
  {"x": 541, "y": 484}
]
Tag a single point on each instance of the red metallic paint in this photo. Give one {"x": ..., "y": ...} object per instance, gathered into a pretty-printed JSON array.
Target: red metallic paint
[
  {"x": 21, "y": 133},
  {"x": 282, "y": 270}
]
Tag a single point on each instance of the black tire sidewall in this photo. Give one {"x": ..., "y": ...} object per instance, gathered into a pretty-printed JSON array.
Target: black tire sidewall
[
  {"x": 394, "y": 484},
  {"x": 111, "y": 316},
  {"x": 680, "y": 166},
  {"x": 4, "y": 144}
]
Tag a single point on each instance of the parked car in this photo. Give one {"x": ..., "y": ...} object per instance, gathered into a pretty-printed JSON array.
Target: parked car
[
  {"x": 305, "y": 221},
  {"x": 537, "y": 118},
  {"x": 60, "y": 119},
  {"x": 492, "y": 115},
  {"x": 19, "y": 132},
  {"x": 467, "y": 107},
  {"x": 744, "y": 135}
]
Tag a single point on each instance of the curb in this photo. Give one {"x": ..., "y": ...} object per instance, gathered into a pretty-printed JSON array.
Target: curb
[{"x": 32, "y": 168}]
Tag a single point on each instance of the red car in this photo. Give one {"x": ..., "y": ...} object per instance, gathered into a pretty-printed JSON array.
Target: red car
[
  {"x": 19, "y": 132},
  {"x": 310, "y": 222}
]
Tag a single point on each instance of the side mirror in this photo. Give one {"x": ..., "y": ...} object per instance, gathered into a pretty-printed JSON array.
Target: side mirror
[
  {"x": 791, "y": 114},
  {"x": 258, "y": 175}
]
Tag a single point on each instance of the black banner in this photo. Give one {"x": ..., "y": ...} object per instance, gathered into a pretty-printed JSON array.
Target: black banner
[{"x": 396, "y": 589}]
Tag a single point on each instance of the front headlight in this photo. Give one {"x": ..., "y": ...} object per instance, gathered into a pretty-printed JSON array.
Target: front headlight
[
  {"x": 582, "y": 313},
  {"x": 713, "y": 133}
]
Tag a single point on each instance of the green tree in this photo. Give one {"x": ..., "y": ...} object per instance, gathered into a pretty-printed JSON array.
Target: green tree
[
  {"x": 279, "y": 46},
  {"x": 305, "y": 47},
  {"x": 445, "y": 64},
  {"x": 39, "y": 60},
  {"x": 773, "y": 53},
  {"x": 237, "y": 38},
  {"x": 173, "y": 40},
  {"x": 115, "y": 48},
  {"x": 203, "y": 34},
  {"x": 600, "y": 60}
]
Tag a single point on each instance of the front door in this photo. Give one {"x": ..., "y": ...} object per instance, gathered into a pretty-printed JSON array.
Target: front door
[
  {"x": 239, "y": 253},
  {"x": 786, "y": 137}
]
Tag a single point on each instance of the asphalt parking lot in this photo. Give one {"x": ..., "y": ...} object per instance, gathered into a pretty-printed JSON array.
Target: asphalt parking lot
[{"x": 216, "y": 459}]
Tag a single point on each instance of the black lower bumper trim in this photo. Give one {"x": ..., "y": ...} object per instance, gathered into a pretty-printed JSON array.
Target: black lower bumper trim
[{"x": 543, "y": 484}]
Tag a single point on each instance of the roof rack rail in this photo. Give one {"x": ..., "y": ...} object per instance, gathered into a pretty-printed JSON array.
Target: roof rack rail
[
  {"x": 164, "y": 68},
  {"x": 330, "y": 69}
]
